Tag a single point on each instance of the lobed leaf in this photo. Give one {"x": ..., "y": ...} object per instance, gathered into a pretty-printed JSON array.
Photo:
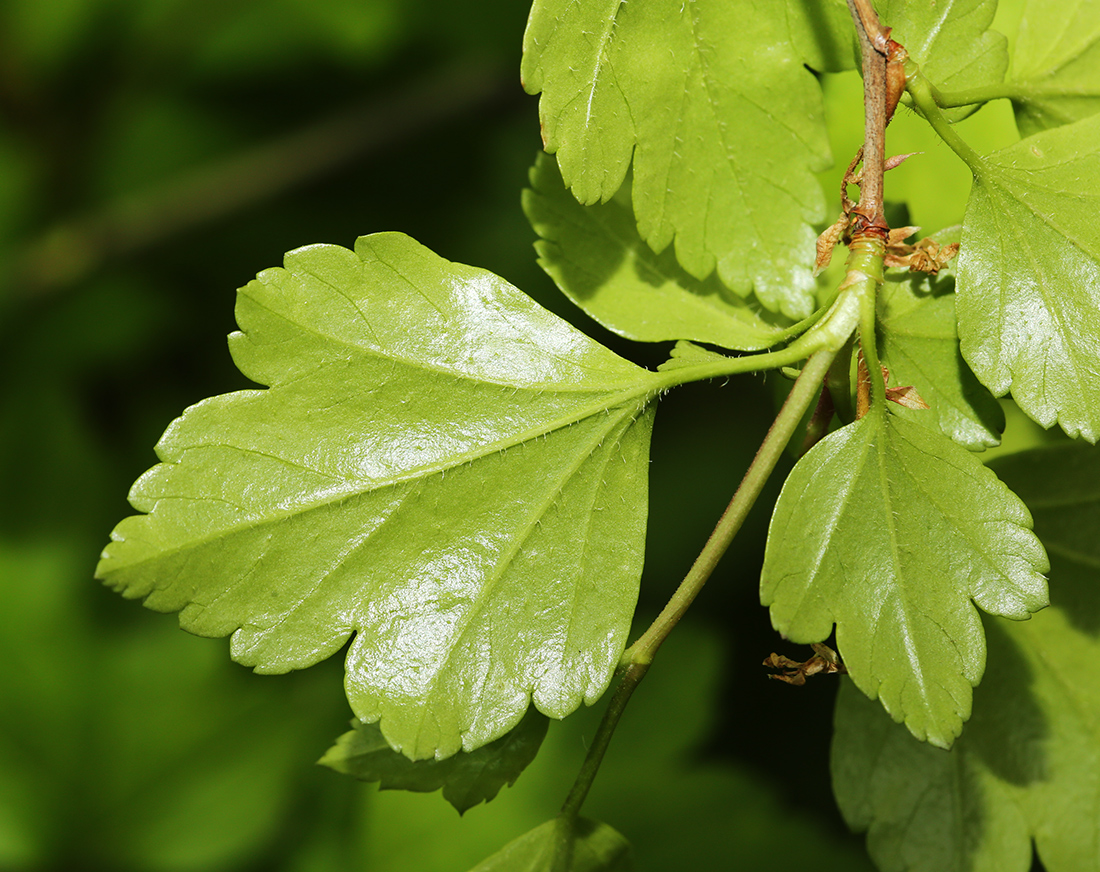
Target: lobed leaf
[
  {"x": 1028, "y": 281},
  {"x": 466, "y": 779},
  {"x": 596, "y": 848},
  {"x": 676, "y": 87},
  {"x": 596, "y": 257},
  {"x": 893, "y": 532},
  {"x": 951, "y": 41},
  {"x": 919, "y": 344},
  {"x": 1056, "y": 64},
  {"x": 440, "y": 468},
  {"x": 1027, "y": 766}
]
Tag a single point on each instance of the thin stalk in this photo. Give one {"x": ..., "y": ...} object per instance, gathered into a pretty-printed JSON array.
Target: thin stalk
[
  {"x": 927, "y": 100},
  {"x": 797, "y": 402}
]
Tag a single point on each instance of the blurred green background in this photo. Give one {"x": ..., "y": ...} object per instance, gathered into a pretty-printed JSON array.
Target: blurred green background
[{"x": 156, "y": 154}]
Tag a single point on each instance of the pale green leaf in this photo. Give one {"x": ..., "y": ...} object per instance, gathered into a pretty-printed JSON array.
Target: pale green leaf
[
  {"x": 919, "y": 344},
  {"x": 466, "y": 778},
  {"x": 677, "y": 87},
  {"x": 1027, "y": 765},
  {"x": 951, "y": 41},
  {"x": 440, "y": 468},
  {"x": 893, "y": 532},
  {"x": 1028, "y": 278},
  {"x": 1056, "y": 64},
  {"x": 595, "y": 255},
  {"x": 824, "y": 34},
  {"x": 596, "y": 848}
]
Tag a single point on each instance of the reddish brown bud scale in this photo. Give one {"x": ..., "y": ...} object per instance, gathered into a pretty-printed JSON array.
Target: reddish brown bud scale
[{"x": 896, "y": 56}]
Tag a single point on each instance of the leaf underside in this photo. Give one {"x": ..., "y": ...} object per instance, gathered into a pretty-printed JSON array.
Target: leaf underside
[
  {"x": 1027, "y": 765},
  {"x": 466, "y": 778},
  {"x": 439, "y": 467},
  {"x": 595, "y": 255},
  {"x": 889, "y": 530},
  {"x": 1028, "y": 278},
  {"x": 670, "y": 88}
]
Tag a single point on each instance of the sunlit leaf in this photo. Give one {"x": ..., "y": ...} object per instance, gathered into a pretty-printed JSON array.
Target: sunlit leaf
[
  {"x": 676, "y": 87},
  {"x": 1027, "y": 765},
  {"x": 439, "y": 468},
  {"x": 466, "y": 778},
  {"x": 597, "y": 258},
  {"x": 919, "y": 345},
  {"x": 596, "y": 848},
  {"x": 1056, "y": 64},
  {"x": 1028, "y": 279},
  {"x": 894, "y": 533}
]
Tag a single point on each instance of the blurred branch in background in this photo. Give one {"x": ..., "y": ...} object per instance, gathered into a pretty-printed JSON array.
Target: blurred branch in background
[{"x": 67, "y": 252}]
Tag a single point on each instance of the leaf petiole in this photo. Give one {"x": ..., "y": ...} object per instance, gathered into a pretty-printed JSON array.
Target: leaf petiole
[{"x": 927, "y": 100}]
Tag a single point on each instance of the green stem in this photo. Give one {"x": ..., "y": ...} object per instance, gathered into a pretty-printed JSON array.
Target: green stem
[
  {"x": 627, "y": 685},
  {"x": 795, "y": 406},
  {"x": 865, "y": 264},
  {"x": 927, "y": 98},
  {"x": 638, "y": 657},
  {"x": 981, "y": 94}
]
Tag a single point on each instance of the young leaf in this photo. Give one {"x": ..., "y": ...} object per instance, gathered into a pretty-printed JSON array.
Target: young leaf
[
  {"x": 890, "y": 530},
  {"x": 1056, "y": 64},
  {"x": 440, "y": 467},
  {"x": 919, "y": 345},
  {"x": 467, "y": 778},
  {"x": 677, "y": 85},
  {"x": 596, "y": 848},
  {"x": 1028, "y": 278},
  {"x": 950, "y": 41},
  {"x": 594, "y": 254},
  {"x": 1026, "y": 766}
]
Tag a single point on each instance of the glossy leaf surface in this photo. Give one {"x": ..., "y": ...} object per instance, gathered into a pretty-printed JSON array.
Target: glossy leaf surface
[
  {"x": 951, "y": 41},
  {"x": 673, "y": 87},
  {"x": 595, "y": 255},
  {"x": 440, "y": 467},
  {"x": 1029, "y": 276},
  {"x": 892, "y": 532},
  {"x": 466, "y": 778},
  {"x": 1056, "y": 64},
  {"x": 1027, "y": 765},
  {"x": 596, "y": 848},
  {"x": 919, "y": 344}
]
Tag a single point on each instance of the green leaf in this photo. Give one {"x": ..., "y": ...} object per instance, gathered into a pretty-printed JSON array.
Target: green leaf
[
  {"x": 596, "y": 848},
  {"x": 440, "y": 467},
  {"x": 824, "y": 34},
  {"x": 595, "y": 255},
  {"x": 890, "y": 530},
  {"x": 676, "y": 85},
  {"x": 1028, "y": 278},
  {"x": 950, "y": 41},
  {"x": 1056, "y": 64},
  {"x": 466, "y": 779},
  {"x": 919, "y": 344},
  {"x": 1026, "y": 766}
]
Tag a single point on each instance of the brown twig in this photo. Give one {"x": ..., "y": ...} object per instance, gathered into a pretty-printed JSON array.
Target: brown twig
[{"x": 874, "y": 46}]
